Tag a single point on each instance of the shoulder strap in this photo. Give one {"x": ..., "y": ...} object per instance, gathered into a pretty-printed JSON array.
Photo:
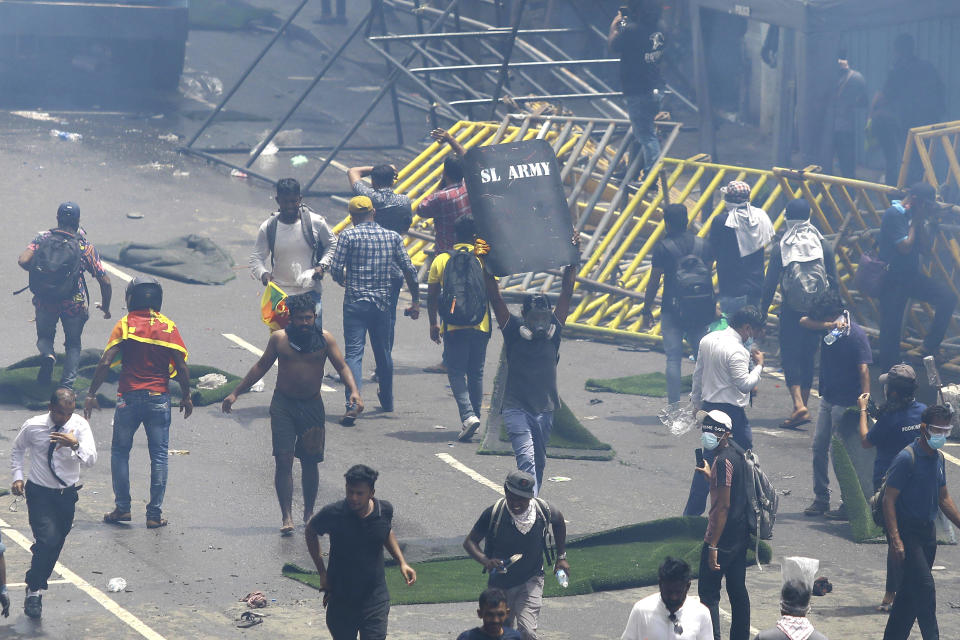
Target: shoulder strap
[
  {"x": 495, "y": 516},
  {"x": 672, "y": 248},
  {"x": 272, "y": 235},
  {"x": 306, "y": 227},
  {"x": 543, "y": 510}
]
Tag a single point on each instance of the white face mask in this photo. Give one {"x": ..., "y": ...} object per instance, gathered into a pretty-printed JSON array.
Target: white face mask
[{"x": 790, "y": 224}]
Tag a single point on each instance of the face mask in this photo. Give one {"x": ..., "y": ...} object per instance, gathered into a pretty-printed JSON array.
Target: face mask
[
  {"x": 709, "y": 441},
  {"x": 937, "y": 442},
  {"x": 538, "y": 324},
  {"x": 792, "y": 223},
  {"x": 749, "y": 342}
]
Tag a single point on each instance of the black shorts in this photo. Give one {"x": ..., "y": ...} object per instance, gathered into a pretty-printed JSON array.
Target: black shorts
[
  {"x": 369, "y": 620},
  {"x": 290, "y": 421}
]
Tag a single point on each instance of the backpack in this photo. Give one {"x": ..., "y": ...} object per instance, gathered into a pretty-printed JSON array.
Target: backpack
[
  {"x": 693, "y": 295},
  {"x": 762, "y": 498},
  {"x": 306, "y": 226},
  {"x": 397, "y": 218},
  {"x": 876, "y": 501},
  {"x": 543, "y": 512},
  {"x": 56, "y": 266},
  {"x": 802, "y": 282},
  {"x": 463, "y": 291}
]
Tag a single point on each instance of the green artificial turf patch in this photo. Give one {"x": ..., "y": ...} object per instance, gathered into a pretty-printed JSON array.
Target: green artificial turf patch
[
  {"x": 19, "y": 386},
  {"x": 653, "y": 385},
  {"x": 621, "y": 558},
  {"x": 569, "y": 439},
  {"x": 225, "y": 15},
  {"x": 862, "y": 526}
]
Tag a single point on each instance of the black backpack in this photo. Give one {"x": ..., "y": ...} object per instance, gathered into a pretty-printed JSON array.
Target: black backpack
[
  {"x": 56, "y": 266},
  {"x": 306, "y": 227},
  {"x": 802, "y": 283},
  {"x": 397, "y": 218},
  {"x": 463, "y": 291},
  {"x": 693, "y": 295}
]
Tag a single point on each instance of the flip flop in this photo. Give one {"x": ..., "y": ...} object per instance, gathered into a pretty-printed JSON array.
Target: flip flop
[
  {"x": 286, "y": 530},
  {"x": 885, "y": 607},
  {"x": 249, "y": 619},
  {"x": 437, "y": 368},
  {"x": 791, "y": 423}
]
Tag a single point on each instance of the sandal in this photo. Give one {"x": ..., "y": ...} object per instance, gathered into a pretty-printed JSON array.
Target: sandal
[
  {"x": 885, "y": 607},
  {"x": 249, "y": 619},
  {"x": 116, "y": 516},
  {"x": 156, "y": 524}
]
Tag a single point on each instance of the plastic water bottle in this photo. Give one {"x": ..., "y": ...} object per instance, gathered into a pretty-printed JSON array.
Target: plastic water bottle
[
  {"x": 66, "y": 135},
  {"x": 562, "y": 578},
  {"x": 831, "y": 337}
]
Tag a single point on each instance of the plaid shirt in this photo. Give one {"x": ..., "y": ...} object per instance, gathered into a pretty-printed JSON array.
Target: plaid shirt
[
  {"x": 366, "y": 258},
  {"x": 445, "y": 206}
]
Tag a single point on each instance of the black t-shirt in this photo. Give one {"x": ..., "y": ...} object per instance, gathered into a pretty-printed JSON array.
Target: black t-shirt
[
  {"x": 508, "y": 541},
  {"x": 736, "y": 276},
  {"x": 640, "y": 48},
  {"x": 355, "y": 571},
  {"x": 531, "y": 369},
  {"x": 665, "y": 260},
  {"x": 728, "y": 470},
  {"x": 915, "y": 92},
  {"x": 477, "y": 634}
]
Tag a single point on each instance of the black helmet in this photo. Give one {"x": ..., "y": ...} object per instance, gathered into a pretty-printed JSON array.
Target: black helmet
[{"x": 144, "y": 292}]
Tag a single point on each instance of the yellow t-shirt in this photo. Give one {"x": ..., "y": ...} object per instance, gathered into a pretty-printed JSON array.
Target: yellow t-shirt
[{"x": 436, "y": 277}]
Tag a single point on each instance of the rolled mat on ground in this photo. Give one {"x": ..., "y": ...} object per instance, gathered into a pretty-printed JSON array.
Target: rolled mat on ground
[
  {"x": 621, "y": 558},
  {"x": 193, "y": 259},
  {"x": 653, "y": 385},
  {"x": 568, "y": 440},
  {"x": 18, "y": 383},
  {"x": 862, "y": 527}
]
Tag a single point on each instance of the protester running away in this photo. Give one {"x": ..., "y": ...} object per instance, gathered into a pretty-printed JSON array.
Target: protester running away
[
  {"x": 669, "y": 614},
  {"x": 728, "y": 369},
  {"x": 493, "y": 611},
  {"x": 297, "y": 414},
  {"x": 916, "y": 490},
  {"x": 803, "y": 267},
  {"x": 724, "y": 553},
  {"x": 531, "y": 344},
  {"x": 56, "y": 260},
  {"x": 515, "y": 531},
  {"x": 738, "y": 238},
  {"x": 294, "y": 247},
  {"x": 59, "y": 443},
  {"x": 365, "y": 261},
  {"x": 354, "y": 584},
  {"x": 151, "y": 352},
  {"x": 688, "y": 304}
]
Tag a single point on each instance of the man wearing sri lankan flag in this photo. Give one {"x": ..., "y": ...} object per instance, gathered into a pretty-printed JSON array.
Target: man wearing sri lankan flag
[{"x": 151, "y": 352}]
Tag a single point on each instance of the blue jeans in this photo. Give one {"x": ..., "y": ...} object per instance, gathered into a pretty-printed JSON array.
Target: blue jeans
[
  {"x": 529, "y": 434},
  {"x": 673, "y": 335},
  {"x": 153, "y": 411},
  {"x": 72, "y": 330},
  {"x": 742, "y": 434},
  {"x": 642, "y": 110},
  {"x": 395, "y": 285},
  {"x": 828, "y": 421},
  {"x": 464, "y": 351},
  {"x": 359, "y": 318}
]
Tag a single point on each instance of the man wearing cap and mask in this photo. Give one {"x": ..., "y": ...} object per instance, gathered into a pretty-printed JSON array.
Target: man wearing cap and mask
[
  {"x": 916, "y": 488},
  {"x": 56, "y": 260},
  {"x": 151, "y": 352},
  {"x": 517, "y": 525},
  {"x": 904, "y": 236},
  {"x": 800, "y": 258},
  {"x": 724, "y": 553},
  {"x": 365, "y": 261},
  {"x": 531, "y": 343},
  {"x": 793, "y": 623},
  {"x": 738, "y": 237}
]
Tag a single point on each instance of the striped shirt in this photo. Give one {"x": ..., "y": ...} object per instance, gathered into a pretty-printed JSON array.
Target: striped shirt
[
  {"x": 445, "y": 206},
  {"x": 366, "y": 259}
]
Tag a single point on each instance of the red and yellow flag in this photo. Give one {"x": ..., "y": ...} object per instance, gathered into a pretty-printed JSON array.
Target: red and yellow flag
[
  {"x": 150, "y": 327},
  {"x": 273, "y": 307}
]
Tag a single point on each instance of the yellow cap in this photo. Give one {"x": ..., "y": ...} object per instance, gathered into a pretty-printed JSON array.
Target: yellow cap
[{"x": 360, "y": 204}]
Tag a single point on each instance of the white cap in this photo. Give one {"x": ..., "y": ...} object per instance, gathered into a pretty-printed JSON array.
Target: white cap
[{"x": 719, "y": 417}]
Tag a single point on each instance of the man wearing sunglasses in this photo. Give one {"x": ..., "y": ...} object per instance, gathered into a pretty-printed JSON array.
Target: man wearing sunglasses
[
  {"x": 668, "y": 615},
  {"x": 916, "y": 489}
]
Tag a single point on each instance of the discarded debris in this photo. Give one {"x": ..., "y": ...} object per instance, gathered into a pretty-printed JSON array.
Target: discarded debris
[
  {"x": 38, "y": 115},
  {"x": 211, "y": 381},
  {"x": 784, "y": 492},
  {"x": 821, "y": 587},
  {"x": 177, "y": 452},
  {"x": 257, "y": 387},
  {"x": 299, "y": 160},
  {"x": 116, "y": 585},
  {"x": 181, "y": 174},
  {"x": 168, "y": 137},
  {"x": 135, "y": 215},
  {"x": 596, "y": 401},
  {"x": 559, "y": 479},
  {"x": 66, "y": 135},
  {"x": 255, "y": 600},
  {"x": 249, "y": 619},
  {"x": 439, "y": 427},
  {"x": 236, "y": 173}
]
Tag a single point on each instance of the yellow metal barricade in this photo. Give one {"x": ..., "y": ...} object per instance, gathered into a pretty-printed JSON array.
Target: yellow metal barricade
[{"x": 925, "y": 143}]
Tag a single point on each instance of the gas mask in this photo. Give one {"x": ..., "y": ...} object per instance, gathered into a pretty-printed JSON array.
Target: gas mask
[{"x": 538, "y": 324}]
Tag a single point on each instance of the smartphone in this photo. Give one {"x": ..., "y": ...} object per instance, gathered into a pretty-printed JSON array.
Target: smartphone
[
  {"x": 624, "y": 11},
  {"x": 699, "y": 454}
]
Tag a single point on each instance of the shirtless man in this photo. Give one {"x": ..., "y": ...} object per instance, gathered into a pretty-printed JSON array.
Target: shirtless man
[{"x": 296, "y": 411}]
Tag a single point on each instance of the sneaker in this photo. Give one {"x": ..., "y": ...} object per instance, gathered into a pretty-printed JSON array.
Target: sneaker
[
  {"x": 116, "y": 516},
  {"x": 470, "y": 426},
  {"x": 33, "y": 605},
  {"x": 840, "y": 513},
  {"x": 46, "y": 370},
  {"x": 816, "y": 509}
]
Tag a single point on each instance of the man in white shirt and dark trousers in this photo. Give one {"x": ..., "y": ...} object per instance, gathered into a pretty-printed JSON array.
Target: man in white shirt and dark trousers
[
  {"x": 669, "y": 615},
  {"x": 59, "y": 442},
  {"x": 722, "y": 380},
  {"x": 294, "y": 246}
]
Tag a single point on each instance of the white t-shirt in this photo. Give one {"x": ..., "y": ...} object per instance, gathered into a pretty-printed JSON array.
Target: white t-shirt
[
  {"x": 291, "y": 249},
  {"x": 650, "y": 620}
]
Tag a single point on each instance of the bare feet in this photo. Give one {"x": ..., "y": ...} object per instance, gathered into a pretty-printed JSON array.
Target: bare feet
[{"x": 306, "y": 516}]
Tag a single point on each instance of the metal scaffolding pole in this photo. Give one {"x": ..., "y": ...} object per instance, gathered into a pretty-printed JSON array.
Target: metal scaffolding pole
[{"x": 502, "y": 78}]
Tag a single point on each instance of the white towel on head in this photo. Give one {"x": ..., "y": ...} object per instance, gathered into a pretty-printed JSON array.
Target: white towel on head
[
  {"x": 753, "y": 227},
  {"x": 802, "y": 242}
]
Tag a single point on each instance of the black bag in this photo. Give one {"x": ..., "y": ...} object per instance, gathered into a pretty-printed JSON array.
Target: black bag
[
  {"x": 397, "y": 218},
  {"x": 56, "y": 265},
  {"x": 802, "y": 283},
  {"x": 463, "y": 291},
  {"x": 694, "y": 296}
]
